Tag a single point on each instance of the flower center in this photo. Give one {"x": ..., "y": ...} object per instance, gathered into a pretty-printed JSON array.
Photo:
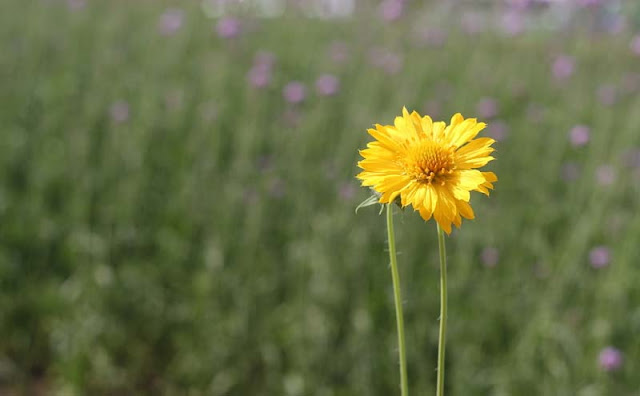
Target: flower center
[{"x": 430, "y": 162}]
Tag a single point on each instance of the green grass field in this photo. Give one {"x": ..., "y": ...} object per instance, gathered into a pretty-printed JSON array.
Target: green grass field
[{"x": 166, "y": 228}]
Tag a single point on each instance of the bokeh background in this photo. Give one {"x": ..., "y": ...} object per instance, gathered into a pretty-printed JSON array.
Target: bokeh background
[{"x": 177, "y": 197}]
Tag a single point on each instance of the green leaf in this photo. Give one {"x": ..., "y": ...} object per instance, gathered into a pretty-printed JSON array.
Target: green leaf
[{"x": 372, "y": 200}]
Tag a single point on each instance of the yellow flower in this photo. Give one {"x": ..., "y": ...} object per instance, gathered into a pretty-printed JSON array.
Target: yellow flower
[{"x": 429, "y": 165}]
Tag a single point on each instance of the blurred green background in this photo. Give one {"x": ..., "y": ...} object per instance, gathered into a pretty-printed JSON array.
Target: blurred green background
[{"x": 177, "y": 197}]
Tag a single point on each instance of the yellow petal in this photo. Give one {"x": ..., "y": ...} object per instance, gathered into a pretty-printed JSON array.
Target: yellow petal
[
  {"x": 465, "y": 210},
  {"x": 466, "y": 131}
]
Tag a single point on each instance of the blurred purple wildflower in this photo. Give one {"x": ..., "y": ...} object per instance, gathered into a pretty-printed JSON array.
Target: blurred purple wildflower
[
  {"x": 632, "y": 158},
  {"x": 610, "y": 359},
  {"x": 119, "y": 111},
  {"x": 605, "y": 175},
  {"x": 386, "y": 60},
  {"x": 513, "y": 22},
  {"x": 563, "y": 67},
  {"x": 170, "y": 21},
  {"x": 487, "y": 108},
  {"x": 76, "y": 5},
  {"x": 570, "y": 171},
  {"x": 635, "y": 45},
  {"x": 498, "y": 130},
  {"x": 490, "y": 256},
  {"x": 259, "y": 76},
  {"x": 347, "y": 191},
  {"x": 294, "y": 92},
  {"x": 228, "y": 27},
  {"x": 579, "y": 135},
  {"x": 391, "y": 10},
  {"x": 599, "y": 257},
  {"x": 327, "y": 85}
]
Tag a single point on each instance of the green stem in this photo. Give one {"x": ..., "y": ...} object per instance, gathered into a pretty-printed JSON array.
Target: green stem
[
  {"x": 404, "y": 388},
  {"x": 443, "y": 311}
]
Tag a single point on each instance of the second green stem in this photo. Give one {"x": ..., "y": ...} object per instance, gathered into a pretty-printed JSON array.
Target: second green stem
[{"x": 443, "y": 311}]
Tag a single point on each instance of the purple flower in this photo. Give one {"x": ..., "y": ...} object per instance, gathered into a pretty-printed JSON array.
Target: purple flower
[
  {"x": 294, "y": 92},
  {"x": 347, "y": 191},
  {"x": 498, "y": 130},
  {"x": 599, "y": 257},
  {"x": 607, "y": 94},
  {"x": 632, "y": 158},
  {"x": 228, "y": 28},
  {"x": 563, "y": 67},
  {"x": 259, "y": 76},
  {"x": 610, "y": 359},
  {"x": 170, "y": 21},
  {"x": 490, "y": 256},
  {"x": 570, "y": 171},
  {"x": 631, "y": 82},
  {"x": 390, "y": 10},
  {"x": 487, "y": 108},
  {"x": 635, "y": 45},
  {"x": 119, "y": 111},
  {"x": 386, "y": 60},
  {"x": 579, "y": 135},
  {"x": 76, "y": 5},
  {"x": 327, "y": 85},
  {"x": 513, "y": 23},
  {"x": 605, "y": 175}
]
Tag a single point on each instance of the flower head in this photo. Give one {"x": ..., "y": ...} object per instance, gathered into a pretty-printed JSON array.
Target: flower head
[
  {"x": 429, "y": 165},
  {"x": 579, "y": 135},
  {"x": 170, "y": 21},
  {"x": 327, "y": 85},
  {"x": 228, "y": 28},
  {"x": 563, "y": 67},
  {"x": 599, "y": 257},
  {"x": 294, "y": 92},
  {"x": 610, "y": 359}
]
